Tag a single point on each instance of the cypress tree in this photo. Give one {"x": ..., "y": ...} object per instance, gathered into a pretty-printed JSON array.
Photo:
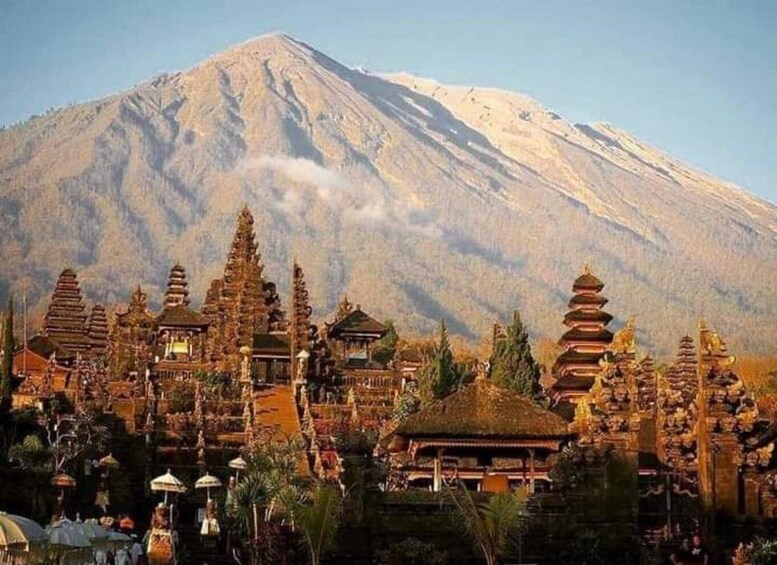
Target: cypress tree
[
  {"x": 6, "y": 369},
  {"x": 512, "y": 364},
  {"x": 440, "y": 374}
]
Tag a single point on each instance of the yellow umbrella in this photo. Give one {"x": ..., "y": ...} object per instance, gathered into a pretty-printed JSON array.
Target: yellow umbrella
[{"x": 20, "y": 531}]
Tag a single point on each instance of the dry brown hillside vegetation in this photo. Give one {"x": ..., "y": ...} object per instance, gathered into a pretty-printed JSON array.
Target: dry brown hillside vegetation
[{"x": 421, "y": 201}]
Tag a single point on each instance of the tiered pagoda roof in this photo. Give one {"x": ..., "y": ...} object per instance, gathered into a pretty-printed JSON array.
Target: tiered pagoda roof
[
  {"x": 98, "y": 330},
  {"x": 585, "y": 341},
  {"x": 177, "y": 288},
  {"x": 65, "y": 320},
  {"x": 176, "y": 312},
  {"x": 681, "y": 375},
  {"x": 677, "y": 410}
]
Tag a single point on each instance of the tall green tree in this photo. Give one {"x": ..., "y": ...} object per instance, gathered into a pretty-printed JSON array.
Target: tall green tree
[
  {"x": 6, "y": 370},
  {"x": 387, "y": 346},
  {"x": 439, "y": 375},
  {"x": 512, "y": 364}
]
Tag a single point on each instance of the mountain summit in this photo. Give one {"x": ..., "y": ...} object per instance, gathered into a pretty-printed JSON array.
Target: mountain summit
[{"x": 420, "y": 200}]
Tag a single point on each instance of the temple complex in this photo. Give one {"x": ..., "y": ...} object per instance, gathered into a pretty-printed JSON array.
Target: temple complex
[
  {"x": 193, "y": 389},
  {"x": 584, "y": 343}
]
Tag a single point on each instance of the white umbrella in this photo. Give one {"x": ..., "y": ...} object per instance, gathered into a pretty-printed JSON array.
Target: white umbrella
[
  {"x": 67, "y": 534},
  {"x": 239, "y": 464},
  {"x": 18, "y": 530},
  {"x": 207, "y": 482},
  {"x": 167, "y": 483},
  {"x": 117, "y": 539},
  {"x": 93, "y": 530}
]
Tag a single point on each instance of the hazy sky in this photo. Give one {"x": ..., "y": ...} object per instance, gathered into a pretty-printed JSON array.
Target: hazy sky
[{"x": 697, "y": 79}]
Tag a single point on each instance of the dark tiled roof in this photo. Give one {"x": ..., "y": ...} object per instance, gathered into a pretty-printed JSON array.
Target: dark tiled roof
[
  {"x": 484, "y": 410},
  {"x": 576, "y": 334},
  {"x": 180, "y": 316},
  {"x": 587, "y": 281},
  {"x": 357, "y": 322},
  {"x": 565, "y": 409},
  {"x": 587, "y": 299},
  {"x": 599, "y": 317},
  {"x": 271, "y": 344},
  {"x": 572, "y": 356},
  {"x": 574, "y": 382},
  {"x": 44, "y": 346}
]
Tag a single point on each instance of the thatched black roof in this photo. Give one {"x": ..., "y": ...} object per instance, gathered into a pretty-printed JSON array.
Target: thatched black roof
[
  {"x": 484, "y": 410},
  {"x": 271, "y": 344},
  {"x": 44, "y": 346},
  {"x": 180, "y": 316},
  {"x": 357, "y": 322}
]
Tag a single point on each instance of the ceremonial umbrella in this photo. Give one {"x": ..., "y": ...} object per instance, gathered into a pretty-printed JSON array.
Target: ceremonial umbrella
[
  {"x": 20, "y": 531},
  {"x": 93, "y": 530},
  {"x": 239, "y": 464},
  {"x": 67, "y": 534},
  {"x": 63, "y": 480},
  {"x": 167, "y": 483},
  {"x": 109, "y": 462},
  {"x": 117, "y": 539},
  {"x": 68, "y": 541},
  {"x": 18, "y": 537},
  {"x": 207, "y": 482}
]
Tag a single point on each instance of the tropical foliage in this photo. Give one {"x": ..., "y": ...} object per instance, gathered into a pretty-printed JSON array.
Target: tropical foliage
[
  {"x": 489, "y": 524},
  {"x": 276, "y": 508},
  {"x": 411, "y": 552}
]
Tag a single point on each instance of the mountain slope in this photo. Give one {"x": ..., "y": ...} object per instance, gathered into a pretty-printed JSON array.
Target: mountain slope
[{"x": 419, "y": 200}]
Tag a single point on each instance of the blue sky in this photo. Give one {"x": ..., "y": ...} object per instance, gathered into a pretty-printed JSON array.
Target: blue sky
[{"x": 697, "y": 79}]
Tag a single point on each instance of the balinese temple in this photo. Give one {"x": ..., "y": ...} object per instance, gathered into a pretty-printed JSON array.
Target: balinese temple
[
  {"x": 676, "y": 414},
  {"x": 491, "y": 438},
  {"x": 97, "y": 331},
  {"x": 241, "y": 303},
  {"x": 354, "y": 332},
  {"x": 65, "y": 320},
  {"x": 131, "y": 337},
  {"x": 696, "y": 425},
  {"x": 180, "y": 331},
  {"x": 584, "y": 343},
  {"x": 615, "y": 411},
  {"x": 45, "y": 367},
  {"x": 735, "y": 443}
]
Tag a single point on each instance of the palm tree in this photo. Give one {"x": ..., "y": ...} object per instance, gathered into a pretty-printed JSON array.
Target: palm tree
[
  {"x": 489, "y": 524},
  {"x": 318, "y": 519}
]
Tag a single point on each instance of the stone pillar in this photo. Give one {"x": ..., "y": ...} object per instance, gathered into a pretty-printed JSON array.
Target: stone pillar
[{"x": 752, "y": 495}]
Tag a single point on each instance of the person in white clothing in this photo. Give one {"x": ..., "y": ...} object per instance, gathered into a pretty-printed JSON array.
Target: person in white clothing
[
  {"x": 136, "y": 551},
  {"x": 122, "y": 556}
]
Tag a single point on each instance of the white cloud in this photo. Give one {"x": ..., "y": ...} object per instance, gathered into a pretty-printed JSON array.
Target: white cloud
[{"x": 362, "y": 205}]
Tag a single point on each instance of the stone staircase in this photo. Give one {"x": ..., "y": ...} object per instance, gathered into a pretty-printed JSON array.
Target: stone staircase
[{"x": 275, "y": 411}]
